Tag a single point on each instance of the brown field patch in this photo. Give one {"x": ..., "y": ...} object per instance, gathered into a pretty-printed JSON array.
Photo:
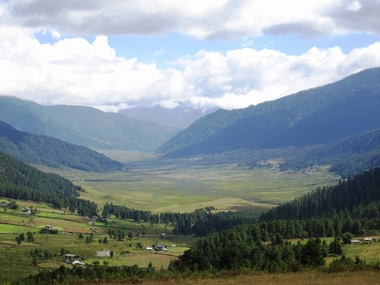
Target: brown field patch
[
  {"x": 303, "y": 278},
  {"x": 3, "y": 244},
  {"x": 78, "y": 230},
  {"x": 159, "y": 261}
]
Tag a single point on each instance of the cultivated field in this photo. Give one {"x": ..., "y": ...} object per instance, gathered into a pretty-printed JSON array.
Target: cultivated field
[{"x": 17, "y": 261}]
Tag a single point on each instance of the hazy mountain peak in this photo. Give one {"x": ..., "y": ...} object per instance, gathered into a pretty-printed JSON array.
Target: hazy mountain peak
[{"x": 180, "y": 117}]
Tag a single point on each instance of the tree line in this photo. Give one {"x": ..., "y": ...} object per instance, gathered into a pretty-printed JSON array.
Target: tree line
[
  {"x": 23, "y": 182},
  {"x": 355, "y": 197},
  {"x": 349, "y": 156}
]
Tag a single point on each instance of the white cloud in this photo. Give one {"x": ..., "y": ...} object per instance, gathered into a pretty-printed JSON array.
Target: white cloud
[
  {"x": 75, "y": 71},
  {"x": 223, "y": 19},
  {"x": 354, "y": 6}
]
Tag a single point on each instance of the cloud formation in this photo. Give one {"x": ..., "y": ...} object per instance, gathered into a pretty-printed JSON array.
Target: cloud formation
[
  {"x": 75, "y": 71},
  {"x": 221, "y": 19},
  {"x": 81, "y": 72}
]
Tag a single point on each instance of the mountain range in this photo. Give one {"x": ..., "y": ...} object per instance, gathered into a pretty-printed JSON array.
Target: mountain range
[
  {"x": 39, "y": 149},
  {"x": 179, "y": 117},
  {"x": 320, "y": 115},
  {"x": 340, "y": 121},
  {"x": 84, "y": 125}
]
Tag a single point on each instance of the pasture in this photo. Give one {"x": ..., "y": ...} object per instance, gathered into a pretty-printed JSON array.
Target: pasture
[{"x": 182, "y": 185}]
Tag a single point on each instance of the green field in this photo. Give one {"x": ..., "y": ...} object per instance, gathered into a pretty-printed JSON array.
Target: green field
[
  {"x": 185, "y": 185},
  {"x": 157, "y": 186},
  {"x": 17, "y": 262}
]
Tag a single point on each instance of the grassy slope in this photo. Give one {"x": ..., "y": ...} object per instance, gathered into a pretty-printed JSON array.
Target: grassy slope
[{"x": 16, "y": 261}]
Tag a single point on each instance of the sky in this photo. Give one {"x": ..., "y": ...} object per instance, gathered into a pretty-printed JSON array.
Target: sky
[{"x": 120, "y": 54}]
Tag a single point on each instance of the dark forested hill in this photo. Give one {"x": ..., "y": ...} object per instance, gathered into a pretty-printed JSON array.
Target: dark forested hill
[
  {"x": 37, "y": 149},
  {"x": 19, "y": 180},
  {"x": 321, "y": 115},
  {"x": 350, "y": 208},
  {"x": 83, "y": 125},
  {"x": 357, "y": 197},
  {"x": 349, "y": 156}
]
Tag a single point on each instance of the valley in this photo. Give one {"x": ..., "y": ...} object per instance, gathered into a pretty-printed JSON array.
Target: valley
[
  {"x": 183, "y": 185},
  {"x": 282, "y": 186}
]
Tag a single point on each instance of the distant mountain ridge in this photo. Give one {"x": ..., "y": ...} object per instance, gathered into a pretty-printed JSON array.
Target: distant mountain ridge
[
  {"x": 180, "y": 117},
  {"x": 38, "y": 149},
  {"x": 84, "y": 125},
  {"x": 320, "y": 115}
]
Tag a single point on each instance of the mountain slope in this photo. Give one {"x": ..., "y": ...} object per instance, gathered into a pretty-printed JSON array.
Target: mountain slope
[
  {"x": 21, "y": 181},
  {"x": 52, "y": 152},
  {"x": 320, "y": 115},
  {"x": 16, "y": 175},
  {"x": 83, "y": 125},
  {"x": 348, "y": 156},
  {"x": 351, "y": 196}
]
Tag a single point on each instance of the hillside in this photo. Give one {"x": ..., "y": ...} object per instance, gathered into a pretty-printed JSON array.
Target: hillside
[
  {"x": 341, "y": 211},
  {"x": 348, "y": 156},
  {"x": 84, "y": 126},
  {"x": 37, "y": 149},
  {"x": 317, "y": 116},
  {"x": 21, "y": 181},
  {"x": 355, "y": 198}
]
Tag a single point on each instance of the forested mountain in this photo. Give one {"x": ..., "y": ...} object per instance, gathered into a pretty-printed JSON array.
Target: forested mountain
[
  {"x": 38, "y": 149},
  {"x": 349, "y": 156},
  {"x": 21, "y": 181},
  {"x": 317, "y": 116},
  {"x": 357, "y": 197},
  {"x": 83, "y": 125},
  {"x": 352, "y": 207}
]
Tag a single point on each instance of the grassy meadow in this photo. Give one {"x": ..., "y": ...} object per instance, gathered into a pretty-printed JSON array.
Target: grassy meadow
[{"x": 183, "y": 185}]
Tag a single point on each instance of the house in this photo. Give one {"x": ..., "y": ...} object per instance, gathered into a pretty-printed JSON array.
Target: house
[
  {"x": 161, "y": 247},
  {"x": 48, "y": 227},
  {"x": 149, "y": 248},
  {"x": 26, "y": 210},
  {"x": 368, "y": 240},
  {"x": 78, "y": 263},
  {"x": 354, "y": 241},
  {"x": 70, "y": 258},
  {"x": 3, "y": 204}
]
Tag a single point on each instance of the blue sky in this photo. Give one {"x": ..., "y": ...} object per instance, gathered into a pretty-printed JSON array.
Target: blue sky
[{"x": 229, "y": 54}]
